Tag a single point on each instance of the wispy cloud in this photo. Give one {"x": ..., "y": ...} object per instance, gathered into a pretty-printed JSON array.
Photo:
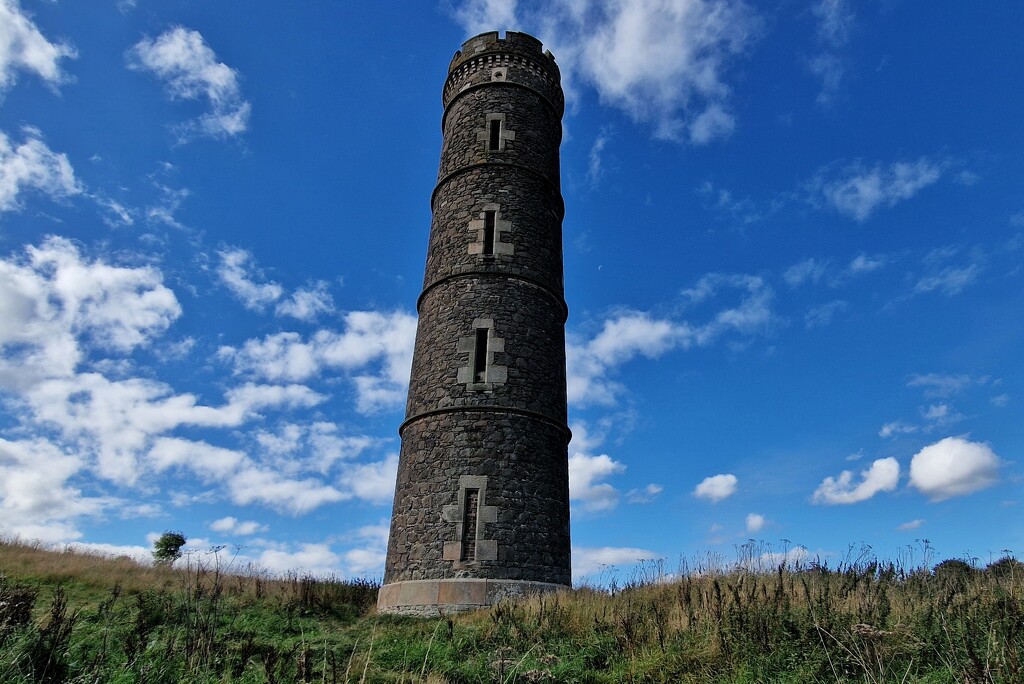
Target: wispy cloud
[
  {"x": 190, "y": 71},
  {"x": 858, "y": 191},
  {"x": 835, "y": 21}
]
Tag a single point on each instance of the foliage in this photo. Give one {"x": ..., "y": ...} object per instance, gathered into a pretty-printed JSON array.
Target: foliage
[
  {"x": 167, "y": 548},
  {"x": 863, "y": 620}
]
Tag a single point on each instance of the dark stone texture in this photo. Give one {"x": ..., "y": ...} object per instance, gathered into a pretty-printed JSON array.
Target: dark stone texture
[{"x": 512, "y": 431}]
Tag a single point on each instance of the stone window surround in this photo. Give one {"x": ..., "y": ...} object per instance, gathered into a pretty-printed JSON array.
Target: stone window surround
[
  {"x": 501, "y": 226},
  {"x": 494, "y": 374},
  {"x": 486, "y": 549},
  {"x": 504, "y": 132}
]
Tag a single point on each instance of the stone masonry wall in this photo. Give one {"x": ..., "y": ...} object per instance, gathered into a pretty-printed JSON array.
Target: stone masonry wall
[{"x": 483, "y": 488}]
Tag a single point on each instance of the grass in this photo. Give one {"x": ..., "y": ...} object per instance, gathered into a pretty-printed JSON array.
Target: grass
[{"x": 72, "y": 617}]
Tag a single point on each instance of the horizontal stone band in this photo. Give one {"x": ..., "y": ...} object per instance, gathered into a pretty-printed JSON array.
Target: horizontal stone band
[
  {"x": 430, "y": 598},
  {"x": 558, "y": 299},
  {"x": 488, "y": 408}
]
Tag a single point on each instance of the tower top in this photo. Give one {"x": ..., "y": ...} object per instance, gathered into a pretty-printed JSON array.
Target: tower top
[
  {"x": 514, "y": 42},
  {"x": 518, "y": 58}
]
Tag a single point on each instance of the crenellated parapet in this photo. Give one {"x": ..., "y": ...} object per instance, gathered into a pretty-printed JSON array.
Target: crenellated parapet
[{"x": 517, "y": 59}]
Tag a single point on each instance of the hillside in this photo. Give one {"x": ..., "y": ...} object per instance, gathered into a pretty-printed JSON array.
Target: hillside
[{"x": 70, "y": 617}]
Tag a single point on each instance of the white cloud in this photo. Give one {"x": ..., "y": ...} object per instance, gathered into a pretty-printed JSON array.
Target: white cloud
[
  {"x": 313, "y": 559},
  {"x": 940, "y": 385},
  {"x": 255, "y": 484},
  {"x": 716, "y": 487},
  {"x": 910, "y": 525},
  {"x": 809, "y": 270},
  {"x": 950, "y": 281},
  {"x": 952, "y": 467},
  {"x": 755, "y": 523},
  {"x": 858, "y": 191},
  {"x": 711, "y": 124},
  {"x": 24, "y": 48},
  {"x": 190, "y": 70},
  {"x": 863, "y": 263},
  {"x": 819, "y": 316},
  {"x": 373, "y": 482},
  {"x": 231, "y": 525},
  {"x": 37, "y": 500},
  {"x": 629, "y": 334},
  {"x": 587, "y": 561},
  {"x": 237, "y": 271},
  {"x": 368, "y": 559},
  {"x": 585, "y": 485},
  {"x": 370, "y": 338},
  {"x": 835, "y": 21},
  {"x": 897, "y": 427},
  {"x": 306, "y": 304},
  {"x": 53, "y": 301},
  {"x": 663, "y": 62},
  {"x": 594, "y": 168},
  {"x": 645, "y": 495},
  {"x": 32, "y": 166},
  {"x": 882, "y": 476}
]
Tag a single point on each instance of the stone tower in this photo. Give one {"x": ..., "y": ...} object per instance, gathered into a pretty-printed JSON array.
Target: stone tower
[{"x": 482, "y": 501}]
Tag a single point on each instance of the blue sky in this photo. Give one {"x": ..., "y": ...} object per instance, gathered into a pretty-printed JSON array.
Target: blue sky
[{"x": 793, "y": 247}]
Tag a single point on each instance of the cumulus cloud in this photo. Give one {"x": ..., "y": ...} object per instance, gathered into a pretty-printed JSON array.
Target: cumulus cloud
[
  {"x": 663, "y": 62},
  {"x": 313, "y": 559},
  {"x": 882, "y": 476},
  {"x": 40, "y": 502},
  {"x": 53, "y": 300},
  {"x": 383, "y": 341},
  {"x": 373, "y": 482},
  {"x": 190, "y": 71},
  {"x": 857, "y": 191},
  {"x": 952, "y": 467},
  {"x": 589, "y": 560},
  {"x": 368, "y": 558},
  {"x": 234, "y": 526},
  {"x": 24, "y": 48},
  {"x": 716, "y": 487},
  {"x": 32, "y": 166},
  {"x": 585, "y": 486},
  {"x": 755, "y": 523},
  {"x": 306, "y": 304}
]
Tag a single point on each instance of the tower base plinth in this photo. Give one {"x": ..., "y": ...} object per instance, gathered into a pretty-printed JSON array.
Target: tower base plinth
[{"x": 430, "y": 598}]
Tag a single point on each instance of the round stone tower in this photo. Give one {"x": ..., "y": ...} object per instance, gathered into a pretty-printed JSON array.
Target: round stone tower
[{"x": 482, "y": 501}]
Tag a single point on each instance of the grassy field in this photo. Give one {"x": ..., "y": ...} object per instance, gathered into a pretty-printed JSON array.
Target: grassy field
[{"x": 72, "y": 617}]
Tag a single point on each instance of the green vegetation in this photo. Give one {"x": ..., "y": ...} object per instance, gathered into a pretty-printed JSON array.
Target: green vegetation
[
  {"x": 68, "y": 617},
  {"x": 167, "y": 548}
]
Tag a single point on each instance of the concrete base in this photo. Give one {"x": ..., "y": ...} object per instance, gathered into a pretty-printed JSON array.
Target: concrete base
[{"x": 430, "y": 598}]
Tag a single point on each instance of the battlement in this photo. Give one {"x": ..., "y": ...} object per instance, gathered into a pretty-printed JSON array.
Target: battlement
[{"x": 514, "y": 43}]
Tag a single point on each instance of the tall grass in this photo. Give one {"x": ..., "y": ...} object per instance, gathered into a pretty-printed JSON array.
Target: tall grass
[{"x": 750, "y": 620}]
